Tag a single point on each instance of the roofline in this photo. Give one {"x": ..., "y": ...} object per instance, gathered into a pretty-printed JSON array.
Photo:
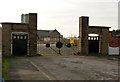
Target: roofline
[
  {"x": 13, "y": 23},
  {"x": 99, "y": 26},
  {"x": 84, "y": 16},
  {"x": 32, "y": 13},
  {"x": 110, "y": 31},
  {"x": 45, "y": 30}
]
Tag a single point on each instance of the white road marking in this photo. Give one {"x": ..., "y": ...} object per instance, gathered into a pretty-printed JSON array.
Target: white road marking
[{"x": 45, "y": 74}]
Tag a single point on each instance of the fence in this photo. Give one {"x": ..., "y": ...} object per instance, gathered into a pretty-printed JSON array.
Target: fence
[{"x": 53, "y": 50}]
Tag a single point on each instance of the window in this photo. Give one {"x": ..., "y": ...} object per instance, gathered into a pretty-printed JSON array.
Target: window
[
  {"x": 25, "y": 37},
  {"x": 21, "y": 37},
  {"x": 14, "y": 37},
  {"x": 18, "y": 37}
]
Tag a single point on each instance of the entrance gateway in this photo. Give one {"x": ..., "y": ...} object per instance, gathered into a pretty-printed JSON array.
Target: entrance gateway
[
  {"x": 87, "y": 46},
  {"x": 93, "y": 44},
  {"x": 20, "y": 38},
  {"x": 19, "y": 43}
]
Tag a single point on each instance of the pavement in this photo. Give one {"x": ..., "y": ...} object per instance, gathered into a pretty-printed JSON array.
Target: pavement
[
  {"x": 22, "y": 69},
  {"x": 62, "y": 68}
]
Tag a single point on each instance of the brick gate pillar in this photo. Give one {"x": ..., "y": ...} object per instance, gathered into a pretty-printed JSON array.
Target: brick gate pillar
[
  {"x": 32, "y": 33},
  {"x": 83, "y": 34},
  {"x": 6, "y": 39}
]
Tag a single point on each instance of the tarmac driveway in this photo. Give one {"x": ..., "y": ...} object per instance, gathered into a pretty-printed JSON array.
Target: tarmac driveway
[
  {"x": 62, "y": 68},
  {"x": 20, "y": 68}
]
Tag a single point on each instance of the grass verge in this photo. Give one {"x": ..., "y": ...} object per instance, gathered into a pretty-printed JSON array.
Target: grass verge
[{"x": 5, "y": 68}]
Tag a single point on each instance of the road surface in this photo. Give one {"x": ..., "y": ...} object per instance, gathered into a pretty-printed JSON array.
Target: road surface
[{"x": 62, "y": 68}]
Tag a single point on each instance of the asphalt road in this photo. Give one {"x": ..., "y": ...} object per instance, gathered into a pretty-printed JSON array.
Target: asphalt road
[
  {"x": 62, "y": 68},
  {"x": 53, "y": 50}
]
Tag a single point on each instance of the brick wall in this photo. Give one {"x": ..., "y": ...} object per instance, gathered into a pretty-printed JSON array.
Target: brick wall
[
  {"x": 114, "y": 41},
  {"x": 0, "y": 36}
]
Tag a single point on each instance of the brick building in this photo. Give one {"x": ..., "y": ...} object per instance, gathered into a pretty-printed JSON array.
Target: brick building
[
  {"x": 20, "y": 38},
  {"x": 114, "y": 41},
  {"x": 53, "y": 35}
]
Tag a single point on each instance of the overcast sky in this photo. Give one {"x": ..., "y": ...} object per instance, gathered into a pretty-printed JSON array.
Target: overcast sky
[{"x": 62, "y": 15}]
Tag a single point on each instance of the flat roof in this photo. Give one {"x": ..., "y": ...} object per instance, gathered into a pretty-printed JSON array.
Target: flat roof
[
  {"x": 13, "y": 23},
  {"x": 84, "y": 16},
  {"x": 99, "y": 27}
]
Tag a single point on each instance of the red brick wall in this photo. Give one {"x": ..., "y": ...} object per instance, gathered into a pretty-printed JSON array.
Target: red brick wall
[{"x": 113, "y": 41}]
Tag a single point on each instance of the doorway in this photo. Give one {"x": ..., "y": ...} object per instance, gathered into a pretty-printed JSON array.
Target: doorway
[
  {"x": 19, "y": 44},
  {"x": 93, "y": 42}
]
